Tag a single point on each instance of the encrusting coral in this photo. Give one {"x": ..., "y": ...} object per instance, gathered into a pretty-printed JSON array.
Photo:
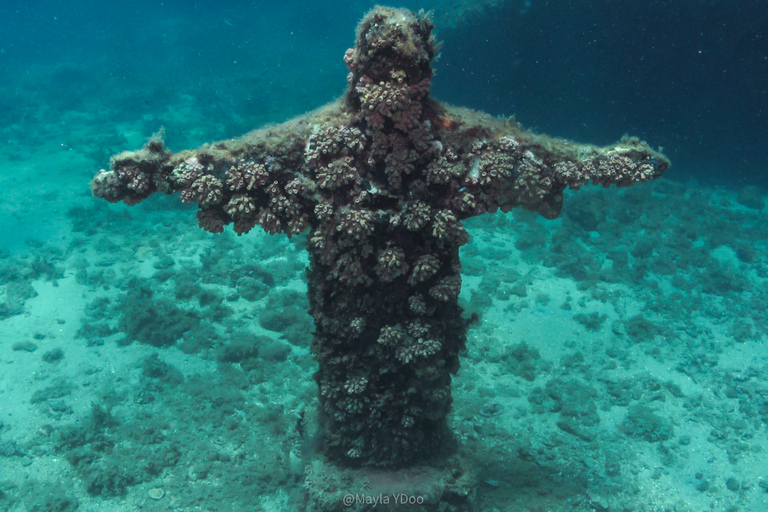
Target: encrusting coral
[{"x": 382, "y": 179}]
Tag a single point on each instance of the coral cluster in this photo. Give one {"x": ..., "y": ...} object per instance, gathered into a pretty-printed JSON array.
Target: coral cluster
[{"x": 382, "y": 179}]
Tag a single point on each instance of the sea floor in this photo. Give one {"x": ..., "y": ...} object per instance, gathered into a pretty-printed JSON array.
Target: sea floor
[{"x": 619, "y": 362}]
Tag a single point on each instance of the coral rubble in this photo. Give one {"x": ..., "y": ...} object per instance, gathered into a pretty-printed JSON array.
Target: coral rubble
[{"x": 382, "y": 179}]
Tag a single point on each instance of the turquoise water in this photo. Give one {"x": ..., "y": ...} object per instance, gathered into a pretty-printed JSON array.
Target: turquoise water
[{"x": 620, "y": 360}]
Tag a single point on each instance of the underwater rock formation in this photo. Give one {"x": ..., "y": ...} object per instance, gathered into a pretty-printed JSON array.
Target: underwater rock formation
[{"x": 382, "y": 180}]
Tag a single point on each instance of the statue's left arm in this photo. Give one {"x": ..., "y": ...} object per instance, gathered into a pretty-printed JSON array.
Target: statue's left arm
[{"x": 500, "y": 165}]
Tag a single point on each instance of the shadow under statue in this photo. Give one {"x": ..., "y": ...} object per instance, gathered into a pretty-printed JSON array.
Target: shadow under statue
[{"x": 381, "y": 179}]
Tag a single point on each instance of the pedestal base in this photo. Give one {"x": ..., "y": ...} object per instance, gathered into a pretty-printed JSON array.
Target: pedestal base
[{"x": 444, "y": 487}]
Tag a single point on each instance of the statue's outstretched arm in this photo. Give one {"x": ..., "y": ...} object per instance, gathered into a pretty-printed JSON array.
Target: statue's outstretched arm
[
  {"x": 260, "y": 178},
  {"x": 274, "y": 177},
  {"x": 500, "y": 165}
]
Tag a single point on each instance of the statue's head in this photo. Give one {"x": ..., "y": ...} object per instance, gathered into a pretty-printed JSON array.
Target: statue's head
[{"x": 391, "y": 44}]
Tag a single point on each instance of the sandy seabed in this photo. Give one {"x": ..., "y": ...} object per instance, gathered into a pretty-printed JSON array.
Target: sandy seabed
[{"x": 619, "y": 362}]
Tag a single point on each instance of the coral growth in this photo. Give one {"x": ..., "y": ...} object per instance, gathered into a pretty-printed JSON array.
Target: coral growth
[{"x": 382, "y": 179}]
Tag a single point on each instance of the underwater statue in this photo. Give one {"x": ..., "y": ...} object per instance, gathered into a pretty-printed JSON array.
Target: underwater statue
[{"x": 381, "y": 180}]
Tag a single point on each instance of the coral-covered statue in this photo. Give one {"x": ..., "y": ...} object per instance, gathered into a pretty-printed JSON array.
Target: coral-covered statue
[{"x": 382, "y": 179}]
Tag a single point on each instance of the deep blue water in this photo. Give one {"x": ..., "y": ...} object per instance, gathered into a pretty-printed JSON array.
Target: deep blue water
[{"x": 689, "y": 76}]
